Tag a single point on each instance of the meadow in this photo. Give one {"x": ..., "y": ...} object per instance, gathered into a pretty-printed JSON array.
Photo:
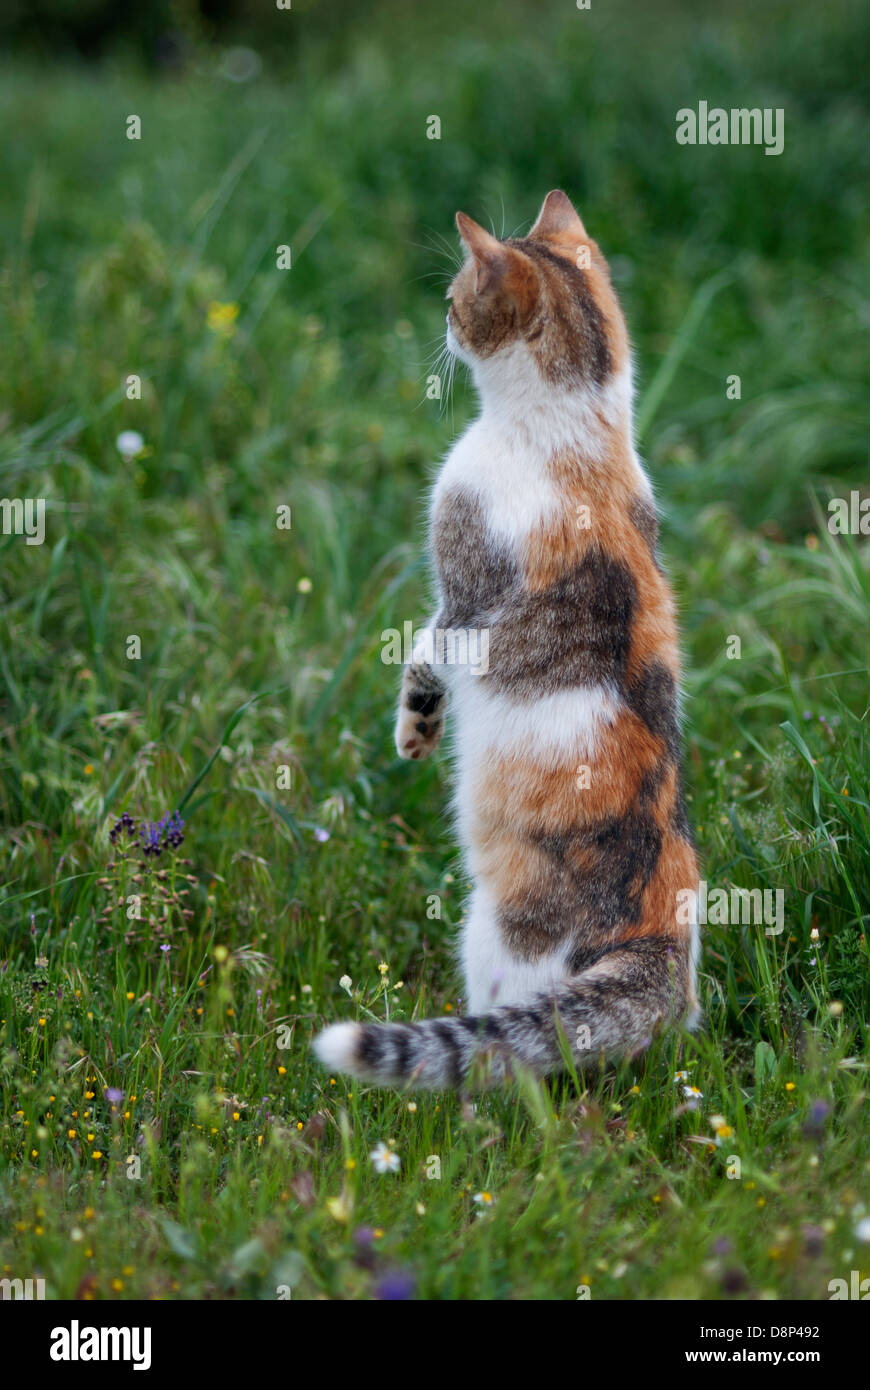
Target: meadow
[{"x": 164, "y": 1129}]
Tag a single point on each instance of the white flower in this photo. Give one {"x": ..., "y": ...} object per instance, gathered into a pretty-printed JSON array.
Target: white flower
[
  {"x": 385, "y": 1159},
  {"x": 483, "y": 1199},
  {"x": 692, "y": 1093},
  {"x": 862, "y": 1230},
  {"x": 346, "y": 983},
  {"x": 681, "y": 1076},
  {"x": 129, "y": 443}
]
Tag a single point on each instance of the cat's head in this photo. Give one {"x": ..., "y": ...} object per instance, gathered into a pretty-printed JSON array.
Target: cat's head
[{"x": 548, "y": 293}]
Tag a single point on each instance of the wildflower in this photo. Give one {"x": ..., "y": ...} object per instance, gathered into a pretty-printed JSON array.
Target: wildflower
[
  {"x": 321, "y": 835},
  {"x": 129, "y": 443},
  {"x": 681, "y": 1076},
  {"x": 483, "y": 1199},
  {"x": 304, "y": 586},
  {"x": 789, "y": 1085},
  {"x": 113, "y": 1095},
  {"x": 814, "y": 1124},
  {"x": 692, "y": 1093},
  {"x": 345, "y": 983},
  {"x": 395, "y": 1286},
  {"x": 385, "y": 1159},
  {"x": 150, "y": 840},
  {"x": 383, "y": 968},
  {"x": 222, "y": 318},
  {"x": 338, "y": 1208}
]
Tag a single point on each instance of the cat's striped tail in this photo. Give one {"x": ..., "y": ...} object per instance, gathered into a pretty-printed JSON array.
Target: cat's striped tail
[{"x": 613, "y": 1008}]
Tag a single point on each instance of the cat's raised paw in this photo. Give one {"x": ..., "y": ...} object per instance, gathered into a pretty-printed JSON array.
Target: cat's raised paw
[{"x": 415, "y": 737}]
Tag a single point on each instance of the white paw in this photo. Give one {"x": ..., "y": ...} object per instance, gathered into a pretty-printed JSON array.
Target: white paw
[{"x": 417, "y": 736}]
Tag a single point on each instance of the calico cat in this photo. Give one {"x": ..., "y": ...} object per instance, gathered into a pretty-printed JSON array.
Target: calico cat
[{"x": 569, "y": 802}]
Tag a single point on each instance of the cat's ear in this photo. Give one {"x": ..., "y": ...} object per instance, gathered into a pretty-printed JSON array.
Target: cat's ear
[
  {"x": 491, "y": 259},
  {"x": 558, "y": 217}
]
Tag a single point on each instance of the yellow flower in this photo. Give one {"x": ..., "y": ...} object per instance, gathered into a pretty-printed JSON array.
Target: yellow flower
[
  {"x": 89, "y": 771},
  {"x": 282, "y": 1071},
  {"x": 98, "y": 1153},
  {"x": 338, "y": 1208},
  {"x": 222, "y": 318},
  {"x": 70, "y": 1134},
  {"x": 117, "y": 1285},
  {"x": 130, "y": 995},
  {"x": 789, "y": 1085}
]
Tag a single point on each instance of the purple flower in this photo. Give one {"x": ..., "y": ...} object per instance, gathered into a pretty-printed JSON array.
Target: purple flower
[
  {"x": 150, "y": 839},
  {"x": 814, "y": 1124},
  {"x": 320, "y": 834},
  {"x": 396, "y": 1286},
  {"x": 113, "y": 1095}
]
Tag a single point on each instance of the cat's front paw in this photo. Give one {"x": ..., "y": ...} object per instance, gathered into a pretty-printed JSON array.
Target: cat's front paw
[{"x": 418, "y": 735}]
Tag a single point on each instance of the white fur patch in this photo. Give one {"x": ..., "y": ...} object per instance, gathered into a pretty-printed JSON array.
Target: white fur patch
[
  {"x": 493, "y": 975},
  {"x": 336, "y": 1046}
]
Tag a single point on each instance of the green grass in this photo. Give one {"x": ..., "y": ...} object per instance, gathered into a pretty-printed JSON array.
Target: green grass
[{"x": 255, "y": 1168}]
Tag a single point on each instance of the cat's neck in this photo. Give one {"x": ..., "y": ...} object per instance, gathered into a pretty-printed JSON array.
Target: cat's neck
[{"x": 548, "y": 418}]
